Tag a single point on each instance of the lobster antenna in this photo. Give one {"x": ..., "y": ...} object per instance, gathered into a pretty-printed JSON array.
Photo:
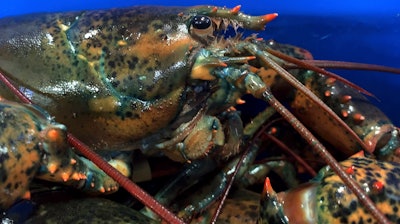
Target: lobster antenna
[
  {"x": 251, "y": 146},
  {"x": 350, "y": 66}
]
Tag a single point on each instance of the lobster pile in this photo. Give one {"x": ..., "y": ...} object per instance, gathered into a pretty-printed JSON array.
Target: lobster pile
[{"x": 164, "y": 83}]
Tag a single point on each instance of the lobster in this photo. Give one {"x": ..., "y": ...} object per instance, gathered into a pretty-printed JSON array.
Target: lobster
[
  {"x": 163, "y": 80},
  {"x": 315, "y": 198}
]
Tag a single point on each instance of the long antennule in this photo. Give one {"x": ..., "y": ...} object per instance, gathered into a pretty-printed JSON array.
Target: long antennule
[{"x": 351, "y": 66}]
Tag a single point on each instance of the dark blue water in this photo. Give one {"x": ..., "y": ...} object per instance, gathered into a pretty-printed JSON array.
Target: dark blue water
[{"x": 362, "y": 31}]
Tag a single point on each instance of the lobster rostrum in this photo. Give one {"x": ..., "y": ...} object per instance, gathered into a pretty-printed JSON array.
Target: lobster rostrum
[{"x": 163, "y": 79}]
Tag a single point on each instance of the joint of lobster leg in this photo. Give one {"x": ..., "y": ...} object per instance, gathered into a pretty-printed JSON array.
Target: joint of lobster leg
[
  {"x": 96, "y": 181},
  {"x": 121, "y": 165},
  {"x": 204, "y": 64},
  {"x": 255, "y": 86},
  {"x": 237, "y": 60}
]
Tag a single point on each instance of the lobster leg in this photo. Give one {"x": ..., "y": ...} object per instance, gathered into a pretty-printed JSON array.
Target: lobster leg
[{"x": 187, "y": 178}]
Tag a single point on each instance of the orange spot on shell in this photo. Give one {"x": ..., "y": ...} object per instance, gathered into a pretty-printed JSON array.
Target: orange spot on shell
[
  {"x": 240, "y": 101},
  {"x": 273, "y": 131},
  {"x": 231, "y": 108},
  {"x": 53, "y": 134},
  {"x": 358, "y": 118},
  {"x": 52, "y": 168},
  {"x": 330, "y": 81},
  {"x": 75, "y": 176},
  {"x": 378, "y": 185},
  {"x": 102, "y": 190},
  {"x": 350, "y": 170},
  {"x": 345, "y": 99},
  {"x": 82, "y": 176},
  {"x": 122, "y": 43},
  {"x": 27, "y": 195},
  {"x": 327, "y": 93},
  {"x": 215, "y": 9},
  {"x": 64, "y": 177},
  {"x": 73, "y": 161},
  {"x": 345, "y": 113}
]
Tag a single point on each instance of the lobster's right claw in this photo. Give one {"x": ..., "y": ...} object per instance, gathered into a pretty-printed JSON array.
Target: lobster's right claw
[{"x": 271, "y": 210}]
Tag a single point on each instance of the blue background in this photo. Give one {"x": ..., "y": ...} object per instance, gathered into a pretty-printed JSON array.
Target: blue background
[{"x": 360, "y": 30}]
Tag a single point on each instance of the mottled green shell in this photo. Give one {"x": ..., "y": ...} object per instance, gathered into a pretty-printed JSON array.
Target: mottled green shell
[
  {"x": 241, "y": 207},
  {"x": 19, "y": 151},
  {"x": 120, "y": 72},
  {"x": 336, "y": 204},
  {"x": 327, "y": 199},
  {"x": 367, "y": 121}
]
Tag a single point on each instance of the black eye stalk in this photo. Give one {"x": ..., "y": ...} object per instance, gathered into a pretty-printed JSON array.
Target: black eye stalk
[
  {"x": 201, "y": 22},
  {"x": 202, "y": 29},
  {"x": 216, "y": 15}
]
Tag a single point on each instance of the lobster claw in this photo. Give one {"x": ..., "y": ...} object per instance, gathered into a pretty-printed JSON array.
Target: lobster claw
[
  {"x": 294, "y": 206},
  {"x": 271, "y": 209}
]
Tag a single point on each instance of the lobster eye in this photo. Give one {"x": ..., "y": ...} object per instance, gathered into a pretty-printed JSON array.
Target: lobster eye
[
  {"x": 202, "y": 29},
  {"x": 201, "y": 22}
]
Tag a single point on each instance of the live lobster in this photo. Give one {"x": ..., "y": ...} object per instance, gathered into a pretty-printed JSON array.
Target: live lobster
[{"x": 163, "y": 79}]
